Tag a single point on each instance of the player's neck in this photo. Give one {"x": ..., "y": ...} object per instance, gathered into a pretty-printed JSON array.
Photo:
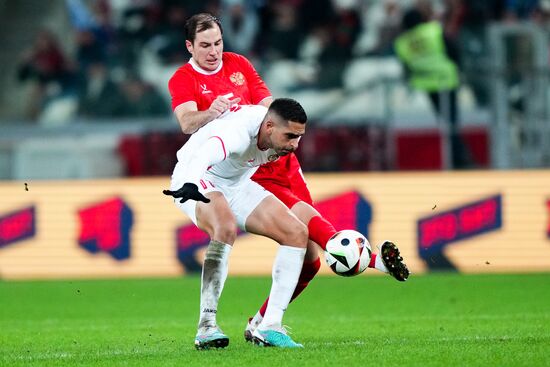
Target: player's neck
[
  {"x": 262, "y": 143},
  {"x": 195, "y": 65}
]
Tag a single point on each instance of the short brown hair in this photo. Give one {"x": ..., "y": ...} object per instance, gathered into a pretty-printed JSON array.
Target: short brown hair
[{"x": 198, "y": 23}]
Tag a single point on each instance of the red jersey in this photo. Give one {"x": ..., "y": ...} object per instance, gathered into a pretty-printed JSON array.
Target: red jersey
[
  {"x": 237, "y": 75},
  {"x": 234, "y": 75}
]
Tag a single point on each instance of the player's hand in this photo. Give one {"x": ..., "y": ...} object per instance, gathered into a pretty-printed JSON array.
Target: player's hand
[
  {"x": 189, "y": 191},
  {"x": 222, "y": 104}
]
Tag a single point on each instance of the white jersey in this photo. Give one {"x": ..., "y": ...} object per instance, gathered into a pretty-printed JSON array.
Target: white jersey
[{"x": 227, "y": 148}]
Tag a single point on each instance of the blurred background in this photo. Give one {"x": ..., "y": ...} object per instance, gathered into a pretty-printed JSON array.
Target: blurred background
[{"x": 84, "y": 83}]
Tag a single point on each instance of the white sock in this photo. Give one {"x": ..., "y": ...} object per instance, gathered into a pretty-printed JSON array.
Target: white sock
[
  {"x": 286, "y": 270},
  {"x": 379, "y": 264},
  {"x": 214, "y": 273},
  {"x": 256, "y": 319}
]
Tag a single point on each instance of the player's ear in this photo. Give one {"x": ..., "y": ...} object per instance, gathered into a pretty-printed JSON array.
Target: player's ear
[{"x": 189, "y": 46}]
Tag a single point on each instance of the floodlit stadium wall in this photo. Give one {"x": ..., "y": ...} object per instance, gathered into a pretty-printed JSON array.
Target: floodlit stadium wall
[{"x": 471, "y": 222}]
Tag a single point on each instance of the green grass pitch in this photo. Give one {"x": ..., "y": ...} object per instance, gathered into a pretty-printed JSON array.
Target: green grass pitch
[{"x": 431, "y": 320}]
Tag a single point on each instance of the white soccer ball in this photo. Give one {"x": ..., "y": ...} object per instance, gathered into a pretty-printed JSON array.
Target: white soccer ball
[{"x": 348, "y": 253}]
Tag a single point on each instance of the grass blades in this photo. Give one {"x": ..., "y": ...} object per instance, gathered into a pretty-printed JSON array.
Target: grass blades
[{"x": 430, "y": 320}]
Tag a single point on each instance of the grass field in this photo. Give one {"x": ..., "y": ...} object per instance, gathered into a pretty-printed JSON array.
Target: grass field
[{"x": 431, "y": 320}]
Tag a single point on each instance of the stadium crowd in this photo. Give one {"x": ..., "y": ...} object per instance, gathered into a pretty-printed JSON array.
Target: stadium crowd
[{"x": 125, "y": 50}]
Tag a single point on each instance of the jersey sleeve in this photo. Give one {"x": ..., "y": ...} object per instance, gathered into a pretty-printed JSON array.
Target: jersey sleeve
[
  {"x": 258, "y": 89},
  {"x": 212, "y": 151},
  {"x": 182, "y": 88}
]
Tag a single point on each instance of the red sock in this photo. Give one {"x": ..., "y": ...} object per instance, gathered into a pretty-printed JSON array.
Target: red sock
[
  {"x": 320, "y": 230},
  {"x": 372, "y": 260},
  {"x": 308, "y": 273},
  {"x": 264, "y": 307}
]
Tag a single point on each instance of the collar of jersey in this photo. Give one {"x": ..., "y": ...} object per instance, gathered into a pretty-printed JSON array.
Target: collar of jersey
[{"x": 201, "y": 70}]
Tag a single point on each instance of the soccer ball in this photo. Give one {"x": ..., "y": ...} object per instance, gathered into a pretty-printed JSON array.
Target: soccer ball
[{"x": 348, "y": 253}]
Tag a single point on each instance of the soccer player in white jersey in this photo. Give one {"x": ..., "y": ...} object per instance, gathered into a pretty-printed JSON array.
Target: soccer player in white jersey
[{"x": 211, "y": 184}]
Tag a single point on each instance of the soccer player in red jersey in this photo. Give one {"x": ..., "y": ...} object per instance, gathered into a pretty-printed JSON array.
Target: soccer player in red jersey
[{"x": 212, "y": 83}]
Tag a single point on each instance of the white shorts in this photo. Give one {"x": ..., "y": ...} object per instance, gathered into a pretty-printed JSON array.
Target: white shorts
[{"x": 242, "y": 197}]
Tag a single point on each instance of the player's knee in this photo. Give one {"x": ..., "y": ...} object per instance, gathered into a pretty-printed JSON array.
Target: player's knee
[
  {"x": 296, "y": 233},
  {"x": 225, "y": 232}
]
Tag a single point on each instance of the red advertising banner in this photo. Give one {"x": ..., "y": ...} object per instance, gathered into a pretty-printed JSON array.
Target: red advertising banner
[{"x": 476, "y": 221}]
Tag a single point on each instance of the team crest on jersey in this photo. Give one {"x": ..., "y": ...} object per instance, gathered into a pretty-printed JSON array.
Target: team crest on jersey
[{"x": 237, "y": 78}]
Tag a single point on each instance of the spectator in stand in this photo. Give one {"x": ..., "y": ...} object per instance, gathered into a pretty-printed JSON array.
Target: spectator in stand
[
  {"x": 541, "y": 15},
  {"x": 335, "y": 40},
  {"x": 171, "y": 35},
  {"x": 520, "y": 9},
  {"x": 473, "y": 44},
  {"x": 283, "y": 35},
  {"x": 453, "y": 17},
  {"x": 139, "y": 22},
  {"x": 389, "y": 29},
  {"x": 94, "y": 33},
  {"x": 426, "y": 9},
  {"x": 100, "y": 96},
  {"x": 141, "y": 99},
  {"x": 48, "y": 68},
  {"x": 315, "y": 13},
  {"x": 430, "y": 61},
  {"x": 240, "y": 26}
]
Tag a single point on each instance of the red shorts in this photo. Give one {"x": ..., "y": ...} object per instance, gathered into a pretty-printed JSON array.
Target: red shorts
[{"x": 284, "y": 179}]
